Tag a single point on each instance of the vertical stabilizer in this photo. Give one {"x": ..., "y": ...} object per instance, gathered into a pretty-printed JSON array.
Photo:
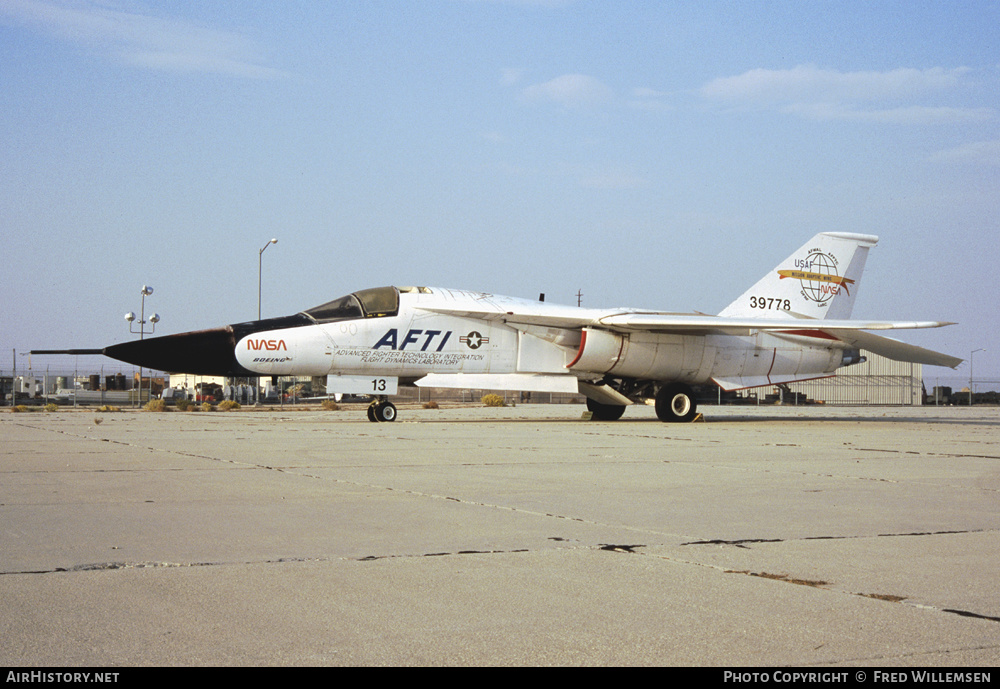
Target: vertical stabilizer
[{"x": 820, "y": 280}]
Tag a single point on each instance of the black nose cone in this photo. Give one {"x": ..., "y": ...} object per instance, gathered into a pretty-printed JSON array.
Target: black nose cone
[{"x": 203, "y": 352}]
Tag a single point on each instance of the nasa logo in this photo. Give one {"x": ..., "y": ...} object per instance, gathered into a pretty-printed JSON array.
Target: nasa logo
[{"x": 269, "y": 345}]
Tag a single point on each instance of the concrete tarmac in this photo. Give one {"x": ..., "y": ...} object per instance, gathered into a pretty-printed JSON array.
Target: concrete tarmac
[{"x": 763, "y": 536}]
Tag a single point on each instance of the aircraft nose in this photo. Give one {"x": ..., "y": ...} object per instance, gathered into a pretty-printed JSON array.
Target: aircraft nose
[{"x": 202, "y": 352}]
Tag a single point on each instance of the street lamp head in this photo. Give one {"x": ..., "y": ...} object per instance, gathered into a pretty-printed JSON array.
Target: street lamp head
[
  {"x": 130, "y": 316},
  {"x": 155, "y": 318},
  {"x": 274, "y": 241},
  {"x": 147, "y": 290}
]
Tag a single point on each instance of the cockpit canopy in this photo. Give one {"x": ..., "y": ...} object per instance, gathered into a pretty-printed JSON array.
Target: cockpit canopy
[{"x": 377, "y": 302}]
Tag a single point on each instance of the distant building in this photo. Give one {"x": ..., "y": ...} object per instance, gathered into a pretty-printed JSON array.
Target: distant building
[
  {"x": 877, "y": 381},
  {"x": 198, "y": 388}
]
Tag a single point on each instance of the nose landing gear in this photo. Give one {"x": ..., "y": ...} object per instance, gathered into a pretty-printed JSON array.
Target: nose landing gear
[{"x": 381, "y": 409}]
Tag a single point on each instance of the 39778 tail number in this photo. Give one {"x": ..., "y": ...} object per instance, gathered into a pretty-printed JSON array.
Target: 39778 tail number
[{"x": 770, "y": 303}]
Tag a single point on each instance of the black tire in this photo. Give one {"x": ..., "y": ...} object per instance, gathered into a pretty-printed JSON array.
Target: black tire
[
  {"x": 605, "y": 412},
  {"x": 385, "y": 411},
  {"x": 371, "y": 412},
  {"x": 675, "y": 403}
]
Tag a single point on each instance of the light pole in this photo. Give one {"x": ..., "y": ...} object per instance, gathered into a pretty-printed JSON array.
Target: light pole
[
  {"x": 260, "y": 263},
  {"x": 141, "y": 332},
  {"x": 970, "y": 372}
]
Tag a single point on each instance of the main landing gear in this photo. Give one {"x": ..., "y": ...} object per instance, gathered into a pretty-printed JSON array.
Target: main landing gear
[
  {"x": 381, "y": 409},
  {"x": 605, "y": 412},
  {"x": 675, "y": 402}
]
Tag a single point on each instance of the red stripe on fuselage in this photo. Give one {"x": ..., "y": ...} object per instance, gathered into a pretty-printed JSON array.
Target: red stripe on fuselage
[
  {"x": 579, "y": 353},
  {"x": 819, "y": 334}
]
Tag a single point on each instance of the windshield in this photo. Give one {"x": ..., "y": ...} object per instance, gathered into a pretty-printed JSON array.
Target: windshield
[{"x": 368, "y": 303}]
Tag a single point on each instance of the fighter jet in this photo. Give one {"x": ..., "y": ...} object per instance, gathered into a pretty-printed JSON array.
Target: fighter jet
[{"x": 792, "y": 325}]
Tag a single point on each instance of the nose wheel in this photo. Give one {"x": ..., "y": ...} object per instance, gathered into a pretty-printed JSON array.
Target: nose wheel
[{"x": 381, "y": 410}]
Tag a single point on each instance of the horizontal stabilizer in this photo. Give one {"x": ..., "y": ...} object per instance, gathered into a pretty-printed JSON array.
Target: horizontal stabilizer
[{"x": 895, "y": 350}]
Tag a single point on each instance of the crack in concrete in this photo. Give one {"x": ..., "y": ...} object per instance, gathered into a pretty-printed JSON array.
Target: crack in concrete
[
  {"x": 117, "y": 565},
  {"x": 812, "y": 583},
  {"x": 739, "y": 543},
  {"x": 111, "y": 566},
  {"x": 616, "y": 548},
  {"x": 966, "y": 613},
  {"x": 620, "y": 548},
  {"x": 629, "y": 549},
  {"x": 927, "y": 454},
  {"x": 816, "y": 583}
]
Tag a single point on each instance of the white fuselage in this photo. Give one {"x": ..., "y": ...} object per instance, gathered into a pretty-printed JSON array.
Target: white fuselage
[{"x": 430, "y": 334}]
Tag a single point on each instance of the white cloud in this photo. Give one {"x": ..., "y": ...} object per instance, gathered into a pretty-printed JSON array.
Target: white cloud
[
  {"x": 613, "y": 180},
  {"x": 645, "y": 92},
  {"x": 144, "y": 39},
  {"x": 494, "y": 137},
  {"x": 810, "y": 83},
  {"x": 827, "y": 94},
  {"x": 644, "y": 98},
  {"x": 912, "y": 114},
  {"x": 528, "y": 3},
  {"x": 570, "y": 90},
  {"x": 510, "y": 76},
  {"x": 978, "y": 153}
]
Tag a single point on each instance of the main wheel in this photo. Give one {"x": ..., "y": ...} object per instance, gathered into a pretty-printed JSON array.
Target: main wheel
[
  {"x": 385, "y": 411},
  {"x": 605, "y": 412},
  {"x": 371, "y": 412},
  {"x": 675, "y": 403}
]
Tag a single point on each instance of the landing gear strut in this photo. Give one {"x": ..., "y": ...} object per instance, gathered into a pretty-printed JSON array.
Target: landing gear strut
[
  {"x": 381, "y": 410},
  {"x": 675, "y": 402}
]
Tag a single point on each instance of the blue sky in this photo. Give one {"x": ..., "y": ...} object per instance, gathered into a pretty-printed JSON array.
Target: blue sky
[{"x": 651, "y": 154}]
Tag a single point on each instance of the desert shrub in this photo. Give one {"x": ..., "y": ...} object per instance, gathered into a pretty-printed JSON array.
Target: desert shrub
[
  {"x": 155, "y": 405},
  {"x": 207, "y": 406},
  {"x": 21, "y": 408},
  {"x": 492, "y": 400},
  {"x": 229, "y": 405},
  {"x": 430, "y": 405},
  {"x": 183, "y": 405},
  {"x": 108, "y": 407},
  {"x": 329, "y": 405},
  {"x": 51, "y": 406}
]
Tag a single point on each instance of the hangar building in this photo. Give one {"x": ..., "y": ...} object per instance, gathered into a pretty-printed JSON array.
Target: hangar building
[{"x": 877, "y": 381}]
